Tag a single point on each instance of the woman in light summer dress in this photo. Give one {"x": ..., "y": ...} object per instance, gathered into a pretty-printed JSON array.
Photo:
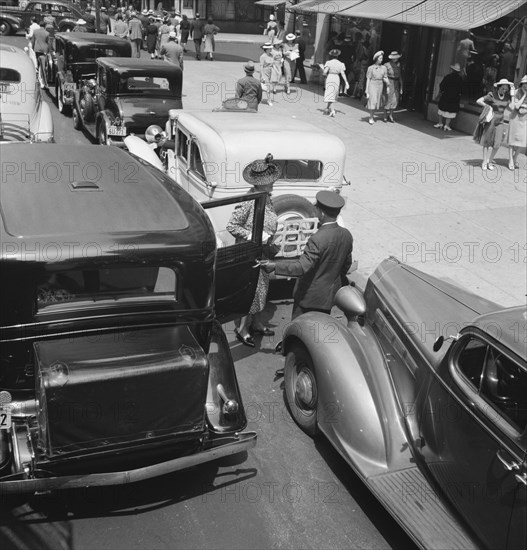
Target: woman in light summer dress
[
  {"x": 518, "y": 124},
  {"x": 266, "y": 67},
  {"x": 209, "y": 31},
  {"x": 334, "y": 69},
  {"x": 261, "y": 174},
  {"x": 376, "y": 78}
]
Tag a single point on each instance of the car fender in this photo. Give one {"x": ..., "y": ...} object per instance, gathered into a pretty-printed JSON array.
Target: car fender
[
  {"x": 357, "y": 407},
  {"x": 138, "y": 147},
  {"x": 44, "y": 130}
]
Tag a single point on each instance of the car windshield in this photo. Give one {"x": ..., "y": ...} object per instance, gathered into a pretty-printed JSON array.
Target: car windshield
[
  {"x": 81, "y": 287},
  {"x": 93, "y": 52},
  {"x": 149, "y": 85}
]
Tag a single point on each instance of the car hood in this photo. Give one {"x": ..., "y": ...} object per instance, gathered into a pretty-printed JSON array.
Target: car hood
[
  {"x": 140, "y": 112},
  {"x": 424, "y": 306}
]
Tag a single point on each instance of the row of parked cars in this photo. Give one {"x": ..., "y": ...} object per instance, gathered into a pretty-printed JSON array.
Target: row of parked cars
[{"x": 116, "y": 285}]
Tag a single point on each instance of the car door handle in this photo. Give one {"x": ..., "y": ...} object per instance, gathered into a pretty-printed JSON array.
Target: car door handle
[
  {"x": 230, "y": 406},
  {"x": 508, "y": 465}
]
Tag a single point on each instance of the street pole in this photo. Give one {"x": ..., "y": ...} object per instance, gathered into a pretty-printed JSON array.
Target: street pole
[{"x": 97, "y": 15}]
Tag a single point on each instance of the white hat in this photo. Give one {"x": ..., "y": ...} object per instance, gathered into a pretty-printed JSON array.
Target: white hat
[
  {"x": 145, "y": 12},
  {"x": 395, "y": 55},
  {"x": 271, "y": 18},
  {"x": 524, "y": 80},
  {"x": 267, "y": 46},
  {"x": 291, "y": 36},
  {"x": 502, "y": 82},
  {"x": 80, "y": 22},
  {"x": 377, "y": 54},
  {"x": 172, "y": 34}
]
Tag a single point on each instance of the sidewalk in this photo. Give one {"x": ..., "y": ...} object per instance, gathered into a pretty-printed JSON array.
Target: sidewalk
[{"x": 416, "y": 192}]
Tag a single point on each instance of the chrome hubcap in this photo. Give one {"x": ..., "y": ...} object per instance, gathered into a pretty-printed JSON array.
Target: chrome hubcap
[{"x": 305, "y": 389}]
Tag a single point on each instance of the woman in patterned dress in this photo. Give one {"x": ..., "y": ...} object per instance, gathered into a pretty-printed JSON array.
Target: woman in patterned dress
[
  {"x": 266, "y": 67},
  {"x": 396, "y": 86},
  {"x": 210, "y": 30},
  {"x": 376, "y": 77},
  {"x": 261, "y": 174}
]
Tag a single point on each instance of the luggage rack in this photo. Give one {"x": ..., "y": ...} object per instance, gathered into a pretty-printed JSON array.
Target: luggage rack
[{"x": 292, "y": 235}]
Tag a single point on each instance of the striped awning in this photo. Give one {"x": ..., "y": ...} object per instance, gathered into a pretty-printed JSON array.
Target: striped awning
[{"x": 448, "y": 14}]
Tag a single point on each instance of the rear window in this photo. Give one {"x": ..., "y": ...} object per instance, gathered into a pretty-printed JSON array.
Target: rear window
[
  {"x": 113, "y": 284},
  {"x": 147, "y": 84},
  {"x": 91, "y": 54},
  {"x": 9, "y": 75},
  {"x": 303, "y": 170}
]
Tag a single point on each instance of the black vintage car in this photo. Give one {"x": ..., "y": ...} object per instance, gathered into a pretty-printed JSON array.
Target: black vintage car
[
  {"x": 74, "y": 60},
  {"x": 126, "y": 97},
  {"x": 114, "y": 366}
]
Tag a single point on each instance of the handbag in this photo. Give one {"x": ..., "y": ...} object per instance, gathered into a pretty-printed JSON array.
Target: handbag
[{"x": 486, "y": 115}]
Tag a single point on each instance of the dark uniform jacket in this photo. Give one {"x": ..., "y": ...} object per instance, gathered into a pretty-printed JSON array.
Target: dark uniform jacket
[
  {"x": 196, "y": 29},
  {"x": 322, "y": 267},
  {"x": 250, "y": 89}
]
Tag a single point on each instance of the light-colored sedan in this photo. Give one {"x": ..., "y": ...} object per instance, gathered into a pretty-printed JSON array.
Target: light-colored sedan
[{"x": 24, "y": 115}]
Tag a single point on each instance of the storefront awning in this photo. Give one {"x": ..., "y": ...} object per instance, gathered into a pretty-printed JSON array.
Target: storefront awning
[
  {"x": 448, "y": 14},
  {"x": 270, "y": 2}
]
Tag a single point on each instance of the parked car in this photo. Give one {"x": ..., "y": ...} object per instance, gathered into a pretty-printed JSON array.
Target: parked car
[
  {"x": 114, "y": 365},
  {"x": 24, "y": 116},
  {"x": 211, "y": 149},
  {"x": 14, "y": 19},
  {"x": 436, "y": 431},
  {"x": 126, "y": 97},
  {"x": 73, "y": 61}
]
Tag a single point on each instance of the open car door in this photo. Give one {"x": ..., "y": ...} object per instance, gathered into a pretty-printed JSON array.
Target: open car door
[{"x": 236, "y": 273}]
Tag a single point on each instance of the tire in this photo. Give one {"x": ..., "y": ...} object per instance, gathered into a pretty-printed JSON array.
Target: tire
[
  {"x": 290, "y": 207},
  {"x": 5, "y": 28},
  {"x": 102, "y": 134},
  {"x": 87, "y": 107},
  {"x": 77, "y": 120},
  {"x": 63, "y": 108},
  {"x": 301, "y": 392}
]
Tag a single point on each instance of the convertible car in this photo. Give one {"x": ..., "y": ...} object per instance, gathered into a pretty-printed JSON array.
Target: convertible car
[
  {"x": 24, "y": 115},
  {"x": 114, "y": 366},
  {"x": 423, "y": 391}
]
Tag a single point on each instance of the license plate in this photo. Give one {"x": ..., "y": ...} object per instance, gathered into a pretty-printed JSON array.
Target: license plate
[
  {"x": 5, "y": 419},
  {"x": 117, "y": 131}
]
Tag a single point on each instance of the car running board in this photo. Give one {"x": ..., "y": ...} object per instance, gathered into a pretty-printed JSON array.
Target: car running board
[{"x": 415, "y": 505}]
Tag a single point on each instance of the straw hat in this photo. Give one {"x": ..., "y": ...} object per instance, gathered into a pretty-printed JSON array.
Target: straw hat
[
  {"x": 266, "y": 46},
  {"x": 523, "y": 80},
  {"x": 395, "y": 55},
  {"x": 249, "y": 67},
  {"x": 80, "y": 22},
  {"x": 262, "y": 172},
  {"x": 277, "y": 41},
  {"x": 291, "y": 36},
  {"x": 334, "y": 53},
  {"x": 377, "y": 54},
  {"x": 456, "y": 67},
  {"x": 502, "y": 82}
]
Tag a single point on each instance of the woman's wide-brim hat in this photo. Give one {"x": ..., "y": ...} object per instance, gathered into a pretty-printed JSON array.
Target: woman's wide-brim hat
[
  {"x": 266, "y": 46},
  {"x": 524, "y": 80},
  {"x": 377, "y": 54},
  {"x": 291, "y": 36},
  {"x": 503, "y": 82},
  {"x": 334, "y": 53},
  {"x": 395, "y": 55},
  {"x": 456, "y": 67},
  {"x": 262, "y": 172},
  {"x": 80, "y": 22},
  {"x": 277, "y": 41}
]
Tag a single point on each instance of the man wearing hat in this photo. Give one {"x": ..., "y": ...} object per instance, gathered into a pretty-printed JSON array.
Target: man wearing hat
[
  {"x": 326, "y": 259},
  {"x": 104, "y": 21},
  {"x": 172, "y": 51},
  {"x": 196, "y": 33},
  {"x": 135, "y": 30},
  {"x": 90, "y": 19},
  {"x": 299, "y": 66},
  {"x": 249, "y": 88}
]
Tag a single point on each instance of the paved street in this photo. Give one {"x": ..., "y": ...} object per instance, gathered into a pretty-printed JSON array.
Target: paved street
[{"x": 416, "y": 193}]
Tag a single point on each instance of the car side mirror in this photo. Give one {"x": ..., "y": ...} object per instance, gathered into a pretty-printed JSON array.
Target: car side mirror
[{"x": 438, "y": 344}]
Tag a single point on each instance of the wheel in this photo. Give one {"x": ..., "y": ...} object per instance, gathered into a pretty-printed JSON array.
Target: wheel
[
  {"x": 77, "y": 120},
  {"x": 290, "y": 207},
  {"x": 301, "y": 391},
  {"x": 102, "y": 134},
  {"x": 5, "y": 28},
  {"x": 63, "y": 108},
  {"x": 87, "y": 107}
]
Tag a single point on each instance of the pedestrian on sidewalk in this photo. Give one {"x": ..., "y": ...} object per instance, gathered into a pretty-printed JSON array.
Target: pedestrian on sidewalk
[
  {"x": 276, "y": 68},
  {"x": 135, "y": 30},
  {"x": 494, "y": 133},
  {"x": 291, "y": 54},
  {"x": 184, "y": 29},
  {"x": 299, "y": 65},
  {"x": 120, "y": 28},
  {"x": 172, "y": 51},
  {"x": 162, "y": 36},
  {"x": 334, "y": 70},
  {"x": 518, "y": 124},
  {"x": 322, "y": 268},
  {"x": 450, "y": 90},
  {"x": 210, "y": 30},
  {"x": 196, "y": 33},
  {"x": 80, "y": 26},
  {"x": 248, "y": 88},
  {"x": 266, "y": 68},
  {"x": 395, "y": 91},
  {"x": 104, "y": 21},
  {"x": 376, "y": 78},
  {"x": 151, "y": 38},
  {"x": 261, "y": 174},
  {"x": 272, "y": 28}
]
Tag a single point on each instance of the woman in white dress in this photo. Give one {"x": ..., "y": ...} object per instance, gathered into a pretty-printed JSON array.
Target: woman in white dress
[
  {"x": 518, "y": 124},
  {"x": 333, "y": 69},
  {"x": 376, "y": 78}
]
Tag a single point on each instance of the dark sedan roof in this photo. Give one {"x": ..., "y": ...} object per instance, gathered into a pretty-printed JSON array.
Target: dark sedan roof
[
  {"x": 126, "y": 65},
  {"x": 74, "y": 191},
  {"x": 91, "y": 39}
]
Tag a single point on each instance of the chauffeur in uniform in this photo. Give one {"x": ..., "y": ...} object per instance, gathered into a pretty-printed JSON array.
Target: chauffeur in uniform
[{"x": 326, "y": 259}]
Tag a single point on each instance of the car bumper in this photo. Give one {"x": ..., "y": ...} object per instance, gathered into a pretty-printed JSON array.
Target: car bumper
[{"x": 225, "y": 447}]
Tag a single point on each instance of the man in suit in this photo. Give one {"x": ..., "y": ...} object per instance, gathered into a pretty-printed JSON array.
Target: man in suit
[
  {"x": 299, "y": 67},
  {"x": 249, "y": 88},
  {"x": 135, "y": 31},
  {"x": 326, "y": 259},
  {"x": 196, "y": 33}
]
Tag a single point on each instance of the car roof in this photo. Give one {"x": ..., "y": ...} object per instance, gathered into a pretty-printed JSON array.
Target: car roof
[
  {"x": 90, "y": 39},
  {"x": 247, "y": 136},
  {"x": 17, "y": 58},
  {"x": 133, "y": 65},
  {"x": 508, "y": 326},
  {"x": 19, "y": 97},
  {"x": 70, "y": 193}
]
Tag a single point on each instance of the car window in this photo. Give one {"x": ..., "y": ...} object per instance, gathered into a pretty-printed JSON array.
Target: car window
[
  {"x": 9, "y": 75},
  {"x": 196, "y": 163},
  {"x": 93, "y": 52},
  {"x": 496, "y": 378},
  {"x": 151, "y": 85},
  {"x": 116, "y": 284},
  {"x": 182, "y": 145},
  {"x": 34, "y": 6},
  {"x": 297, "y": 169}
]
